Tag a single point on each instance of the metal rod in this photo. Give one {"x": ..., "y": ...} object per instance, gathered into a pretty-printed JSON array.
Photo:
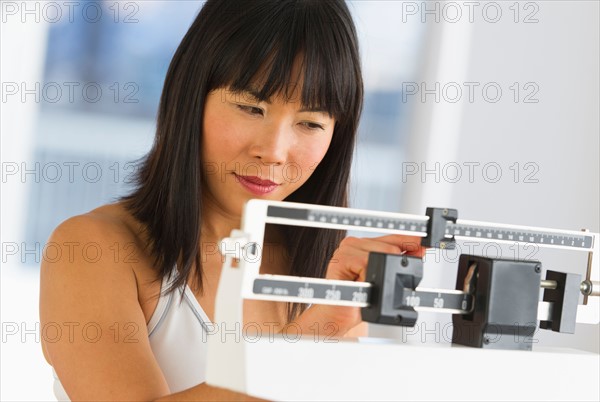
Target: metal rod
[
  {"x": 588, "y": 274},
  {"x": 548, "y": 284}
]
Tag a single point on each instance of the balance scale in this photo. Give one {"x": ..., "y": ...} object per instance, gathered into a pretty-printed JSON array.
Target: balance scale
[{"x": 496, "y": 310}]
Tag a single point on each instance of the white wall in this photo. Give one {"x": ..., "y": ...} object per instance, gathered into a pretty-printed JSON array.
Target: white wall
[{"x": 558, "y": 135}]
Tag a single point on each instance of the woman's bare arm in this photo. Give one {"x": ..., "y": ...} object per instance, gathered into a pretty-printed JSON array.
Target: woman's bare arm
[
  {"x": 95, "y": 330},
  {"x": 204, "y": 392},
  {"x": 93, "y": 327}
]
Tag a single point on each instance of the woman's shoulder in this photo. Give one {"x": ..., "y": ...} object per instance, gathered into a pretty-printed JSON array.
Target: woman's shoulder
[
  {"x": 107, "y": 242},
  {"x": 108, "y": 222},
  {"x": 109, "y": 230}
]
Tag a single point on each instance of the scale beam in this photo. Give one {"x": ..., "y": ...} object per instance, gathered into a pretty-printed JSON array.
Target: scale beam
[
  {"x": 416, "y": 225},
  {"x": 356, "y": 294}
]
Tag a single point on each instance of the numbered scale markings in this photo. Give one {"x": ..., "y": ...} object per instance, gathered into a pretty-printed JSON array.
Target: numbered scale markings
[
  {"x": 358, "y": 293},
  {"x": 546, "y": 238},
  {"x": 349, "y": 219}
]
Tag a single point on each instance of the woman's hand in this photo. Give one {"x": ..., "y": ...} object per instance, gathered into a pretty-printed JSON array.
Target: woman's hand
[{"x": 349, "y": 262}]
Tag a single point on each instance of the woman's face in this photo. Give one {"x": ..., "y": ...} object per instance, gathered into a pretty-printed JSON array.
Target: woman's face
[{"x": 255, "y": 149}]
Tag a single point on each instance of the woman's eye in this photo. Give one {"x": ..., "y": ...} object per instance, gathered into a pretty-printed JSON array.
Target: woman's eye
[
  {"x": 312, "y": 126},
  {"x": 251, "y": 109}
]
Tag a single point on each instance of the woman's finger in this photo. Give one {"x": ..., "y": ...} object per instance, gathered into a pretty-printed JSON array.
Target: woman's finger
[{"x": 410, "y": 245}]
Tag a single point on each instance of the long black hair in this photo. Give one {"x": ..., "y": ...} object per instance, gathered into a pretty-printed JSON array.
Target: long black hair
[{"x": 230, "y": 44}]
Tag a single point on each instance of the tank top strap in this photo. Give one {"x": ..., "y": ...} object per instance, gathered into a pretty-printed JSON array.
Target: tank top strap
[{"x": 164, "y": 301}]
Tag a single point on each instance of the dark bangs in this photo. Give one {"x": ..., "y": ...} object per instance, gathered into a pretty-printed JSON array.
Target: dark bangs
[{"x": 261, "y": 45}]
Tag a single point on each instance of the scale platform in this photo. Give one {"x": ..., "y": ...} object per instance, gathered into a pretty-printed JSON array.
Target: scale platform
[{"x": 379, "y": 369}]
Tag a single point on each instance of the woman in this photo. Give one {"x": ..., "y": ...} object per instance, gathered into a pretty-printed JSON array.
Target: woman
[{"x": 261, "y": 100}]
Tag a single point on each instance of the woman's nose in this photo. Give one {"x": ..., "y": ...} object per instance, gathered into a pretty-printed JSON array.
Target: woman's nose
[{"x": 272, "y": 145}]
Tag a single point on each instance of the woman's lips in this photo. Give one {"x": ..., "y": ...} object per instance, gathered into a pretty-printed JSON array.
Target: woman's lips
[{"x": 256, "y": 185}]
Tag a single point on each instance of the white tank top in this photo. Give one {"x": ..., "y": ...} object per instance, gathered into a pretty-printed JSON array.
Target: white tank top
[{"x": 178, "y": 337}]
